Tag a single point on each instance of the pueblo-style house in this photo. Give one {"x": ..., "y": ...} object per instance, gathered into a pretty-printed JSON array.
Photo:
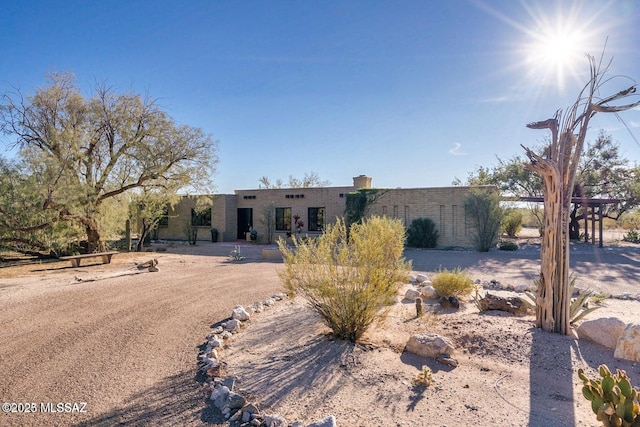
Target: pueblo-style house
[{"x": 234, "y": 215}]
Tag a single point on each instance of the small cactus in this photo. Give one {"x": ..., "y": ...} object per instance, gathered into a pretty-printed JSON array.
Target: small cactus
[
  {"x": 424, "y": 376},
  {"x": 613, "y": 399},
  {"x": 419, "y": 307}
]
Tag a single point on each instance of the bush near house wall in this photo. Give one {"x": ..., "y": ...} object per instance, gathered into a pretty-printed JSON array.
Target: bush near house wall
[{"x": 422, "y": 233}]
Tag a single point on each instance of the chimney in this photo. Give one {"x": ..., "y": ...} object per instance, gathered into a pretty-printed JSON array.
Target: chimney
[{"x": 361, "y": 181}]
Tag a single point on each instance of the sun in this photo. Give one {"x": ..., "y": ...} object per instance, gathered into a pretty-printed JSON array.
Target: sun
[
  {"x": 557, "y": 55},
  {"x": 552, "y": 40}
]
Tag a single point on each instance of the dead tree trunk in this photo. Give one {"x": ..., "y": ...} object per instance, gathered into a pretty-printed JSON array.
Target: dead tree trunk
[{"x": 558, "y": 170}]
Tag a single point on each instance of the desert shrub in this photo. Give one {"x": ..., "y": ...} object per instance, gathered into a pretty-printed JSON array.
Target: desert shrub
[
  {"x": 613, "y": 399},
  {"x": 454, "y": 282},
  {"x": 512, "y": 223},
  {"x": 484, "y": 215},
  {"x": 422, "y": 233},
  {"x": 629, "y": 220},
  {"x": 508, "y": 246},
  {"x": 631, "y": 237},
  {"x": 348, "y": 279}
]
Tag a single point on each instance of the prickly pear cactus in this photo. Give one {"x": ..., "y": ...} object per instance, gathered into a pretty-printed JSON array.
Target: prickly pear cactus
[{"x": 613, "y": 399}]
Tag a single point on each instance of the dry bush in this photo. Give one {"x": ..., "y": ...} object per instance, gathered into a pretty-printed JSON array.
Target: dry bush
[
  {"x": 348, "y": 278},
  {"x": 454, "y": 282}
]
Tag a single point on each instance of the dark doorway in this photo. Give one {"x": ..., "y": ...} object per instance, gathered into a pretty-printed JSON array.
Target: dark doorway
[{"x": 245, "y": 221}]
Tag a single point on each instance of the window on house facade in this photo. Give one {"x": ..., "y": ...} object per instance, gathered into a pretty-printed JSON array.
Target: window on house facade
[
  {"x": 164, "y": 217},
  {"x": 316, "y": 219},
  {"x": 201, "y": 219},
  {"x": 283, "y": 219}
]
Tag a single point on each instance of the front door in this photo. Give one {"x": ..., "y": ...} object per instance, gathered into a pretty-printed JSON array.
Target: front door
[{"x": 245, "y": 221}]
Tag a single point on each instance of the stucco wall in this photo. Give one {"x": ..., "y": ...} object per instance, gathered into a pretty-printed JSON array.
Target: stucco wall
[{"x": 443, "y": 205}]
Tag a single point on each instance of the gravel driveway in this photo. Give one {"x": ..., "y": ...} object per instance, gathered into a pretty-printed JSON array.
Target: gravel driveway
[{"x": 125, "y": 341}]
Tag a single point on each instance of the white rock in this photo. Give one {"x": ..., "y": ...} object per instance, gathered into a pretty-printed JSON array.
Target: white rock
[
  {"x": 428, "y": 292},
  {"x": 628, "y": 346},
  {"x": 522, "y": 287},
  {"x": 233, "y": 325},
  {"x": 240, "y": 313},
  {"x": 412, "y": 278},
  {"x": 412, "y": 294},
  {"x": 274, "y": 420},
  {"x": 421, "y": 278},
  {"x": 430, "y": 345},
  {"x": 605, "y": 331},
  {"x": 330, "y": 421},
  {"x": 269, "y": 302},
  {"x": 215, "y": 342}
]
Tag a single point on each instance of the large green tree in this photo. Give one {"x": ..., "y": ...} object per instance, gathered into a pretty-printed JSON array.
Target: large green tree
[{"x": 84, "y": 150}]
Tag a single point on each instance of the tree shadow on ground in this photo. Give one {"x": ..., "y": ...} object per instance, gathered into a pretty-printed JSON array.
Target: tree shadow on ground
[
  {"x": 175, "y": 401},
  {"x": 551, "y": 381}
]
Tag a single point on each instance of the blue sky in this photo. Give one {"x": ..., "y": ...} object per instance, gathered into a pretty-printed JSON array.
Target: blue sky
[{"x": 411, "y": 93}]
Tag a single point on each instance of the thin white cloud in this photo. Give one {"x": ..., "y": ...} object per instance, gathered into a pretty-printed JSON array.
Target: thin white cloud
[
  {"x": 495, "y": 100},
  {"x": 455, "y": 151}
]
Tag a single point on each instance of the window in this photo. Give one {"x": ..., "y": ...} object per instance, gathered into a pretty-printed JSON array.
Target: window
[
  {"x": 316, "y": 219},
  {"x": 201, "y": 218},
  {"x": 164, "y": 218},
  {"x": 283, "y": 219}
]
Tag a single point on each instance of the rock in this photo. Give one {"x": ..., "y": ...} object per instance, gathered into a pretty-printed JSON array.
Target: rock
[
  {"x": 511, "y": 304},
  {"x": 412, "y": 278},
  {"x": 279, "y": 296},
  {"x": 605, "y": 331},
  {"x": 412, "y": 294},
  {"x": 522, "y": 287},
  {"x": 274, "y": 420},
  {"x": 428, "y": 292},
  {"x": 452, "y": 301},
  {"x": 232, "y": 325},
  {"x": 219, "y": 396},
  {"x": 448, "y": 360},
  {"x": 240, "y": 314},
  {"x": 269, "y": 302},
  {"x": 430, "y": 345},
  {"x": 215, "y": 343},
  {"x": 248, "y": 410},
  {"x": 421, "y": 278},
  {"x": 257, "y": 307},
  {"x": 235, "y": 401},
  {"x": 330, "y": 421},
  {"x": 628, "y": 346}
]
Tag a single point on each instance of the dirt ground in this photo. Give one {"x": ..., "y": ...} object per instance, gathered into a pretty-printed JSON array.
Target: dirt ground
[{"x": 125, "y": 341}]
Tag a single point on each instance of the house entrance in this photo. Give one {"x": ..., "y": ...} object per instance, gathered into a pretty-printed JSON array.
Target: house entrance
[{"x": 245, "y": 221}]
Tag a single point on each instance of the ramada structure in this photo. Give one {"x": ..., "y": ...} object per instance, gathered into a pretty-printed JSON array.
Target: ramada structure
[{"x": 234, "y": 215}]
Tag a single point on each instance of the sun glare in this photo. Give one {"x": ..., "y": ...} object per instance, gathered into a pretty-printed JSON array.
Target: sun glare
[
  {"x": 558, "y": 55},
  {"x": 554, "y": 39}
]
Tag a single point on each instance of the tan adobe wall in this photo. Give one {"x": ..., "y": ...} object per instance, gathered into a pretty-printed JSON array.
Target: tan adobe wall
[
  {"x": 443, "y": 205},
  {"x": 332, "y": 199},
  {"x": 223, "y": 217}
]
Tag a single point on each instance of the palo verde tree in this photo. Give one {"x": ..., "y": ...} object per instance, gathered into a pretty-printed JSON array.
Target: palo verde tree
[
  {"x": 558, "y": 170},
  {"x": 83, "y": 151}
]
